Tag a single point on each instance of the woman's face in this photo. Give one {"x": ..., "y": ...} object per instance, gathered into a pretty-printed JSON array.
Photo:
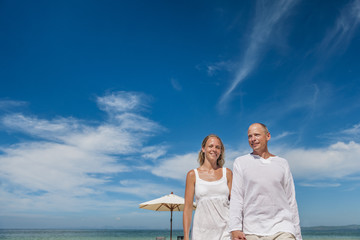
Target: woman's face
[{"x": 212, "y": 149}]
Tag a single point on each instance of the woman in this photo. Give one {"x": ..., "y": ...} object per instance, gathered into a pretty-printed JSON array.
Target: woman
[{"x": 211, "y": 185}]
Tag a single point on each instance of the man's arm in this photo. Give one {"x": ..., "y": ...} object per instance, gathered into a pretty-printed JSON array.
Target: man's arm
[
  {"x": 290, "y": 192},
  {"x": 236, "y": 202}
]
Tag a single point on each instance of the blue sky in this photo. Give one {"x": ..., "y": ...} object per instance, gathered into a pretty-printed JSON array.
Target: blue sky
[{"x": 104, "y": 104}]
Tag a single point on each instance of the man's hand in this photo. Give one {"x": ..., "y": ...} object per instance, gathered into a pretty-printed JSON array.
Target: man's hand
[{"x": 238, "y": 235}]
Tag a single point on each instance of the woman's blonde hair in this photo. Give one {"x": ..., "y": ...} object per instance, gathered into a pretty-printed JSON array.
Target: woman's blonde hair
[{"x": 220, "y": 160}]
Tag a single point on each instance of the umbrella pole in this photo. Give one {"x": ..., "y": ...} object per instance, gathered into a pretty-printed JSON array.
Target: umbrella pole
[{"x": 171, "y": 225}]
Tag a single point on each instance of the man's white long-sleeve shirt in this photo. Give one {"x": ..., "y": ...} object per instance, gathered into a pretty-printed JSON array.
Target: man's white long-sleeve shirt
[{"x": 263, "y": 197}]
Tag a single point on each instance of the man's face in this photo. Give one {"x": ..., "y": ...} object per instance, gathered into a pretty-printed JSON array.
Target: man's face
[{"x": 258, "y": 137}]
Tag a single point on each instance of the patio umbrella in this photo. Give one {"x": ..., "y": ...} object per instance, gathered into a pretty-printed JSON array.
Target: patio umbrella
[{"x": 169, "y": 202}]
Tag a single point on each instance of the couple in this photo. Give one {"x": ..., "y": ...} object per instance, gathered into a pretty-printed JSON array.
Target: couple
[{"x": 262, "y": 203}]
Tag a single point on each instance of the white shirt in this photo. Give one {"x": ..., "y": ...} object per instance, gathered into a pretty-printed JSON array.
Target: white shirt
[{"x": 263, "y": 197}]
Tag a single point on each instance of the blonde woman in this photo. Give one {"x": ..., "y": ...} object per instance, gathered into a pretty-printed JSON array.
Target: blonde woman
[{"x": 210, "y": 183}]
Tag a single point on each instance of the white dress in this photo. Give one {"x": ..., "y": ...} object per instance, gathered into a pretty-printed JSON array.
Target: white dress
[{"x": 212, "y": 209}]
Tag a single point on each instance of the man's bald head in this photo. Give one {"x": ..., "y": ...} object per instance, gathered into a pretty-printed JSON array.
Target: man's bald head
[{"x": 263, "y": 126}]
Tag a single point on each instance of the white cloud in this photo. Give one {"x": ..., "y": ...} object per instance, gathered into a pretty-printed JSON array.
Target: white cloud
[
  {"x": 48, "y": 129},
  {"x": 121, "y": 101},
  {"x": 53, "y": 167},
  {"x": 268, "y": 15},
  {"x": 124, "y": 133},
  {"x": 153, "y": 152},
  {"x": 177, "y": 166},
  {"x": 135, "y": 122},
  {"x": 108, "y": 139},
  {"x": 75, "y": 163},
  {"x": 335, "y": 162}
]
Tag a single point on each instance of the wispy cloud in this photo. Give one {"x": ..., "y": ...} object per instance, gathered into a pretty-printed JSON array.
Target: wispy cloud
[
  {"x": 268, "y": 15},
  {"x": 348, "y": 134},
  {"x": 175, "y": 84},
  {"x": 212, "y": 69},
  {"x": 54, "y": 129},
  {"x": 339, "y": 37},
  {"x": 154, "y": 152},
  {"x": 334, "y": 42},
  {"x": 6, "y": 105},
  {"x": 71, "y": 161},
  {"x": 353, "y": 131},
  {"x": 121, "y": 101},
  {"x": 281, "y": 136}
]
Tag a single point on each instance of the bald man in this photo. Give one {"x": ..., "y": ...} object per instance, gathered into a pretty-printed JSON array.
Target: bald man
[{"x": 263, "y": 204}]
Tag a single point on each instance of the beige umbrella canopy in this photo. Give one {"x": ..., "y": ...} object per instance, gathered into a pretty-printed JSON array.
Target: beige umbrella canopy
[{"x": 169, "y": 202}]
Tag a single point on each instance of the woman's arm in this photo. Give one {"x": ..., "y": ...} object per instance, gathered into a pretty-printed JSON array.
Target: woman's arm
[
  {"x": 229, "y": 177},
  {"x": 189, "y": 198}
]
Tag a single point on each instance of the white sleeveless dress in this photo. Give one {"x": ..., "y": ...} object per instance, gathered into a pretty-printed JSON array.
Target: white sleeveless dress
[{"x": 212, "y": 209}]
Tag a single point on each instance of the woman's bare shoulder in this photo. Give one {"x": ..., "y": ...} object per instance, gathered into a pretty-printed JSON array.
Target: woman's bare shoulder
[{"x": 191, "y": 174}]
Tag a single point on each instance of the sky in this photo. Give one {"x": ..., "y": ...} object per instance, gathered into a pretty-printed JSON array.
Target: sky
[{"x": 104, "y": 104}]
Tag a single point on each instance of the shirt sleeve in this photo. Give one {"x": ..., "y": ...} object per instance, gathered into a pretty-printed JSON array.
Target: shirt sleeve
[
  {"x": 237, "y": 199},
  {"x": 290, "y": 192}
]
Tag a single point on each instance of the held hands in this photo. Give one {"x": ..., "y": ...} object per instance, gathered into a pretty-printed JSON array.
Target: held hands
[{"x": 238, "y": 235}]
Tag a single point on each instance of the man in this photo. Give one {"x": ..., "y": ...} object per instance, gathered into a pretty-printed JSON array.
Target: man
[{"x": 263, "y": 204}]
